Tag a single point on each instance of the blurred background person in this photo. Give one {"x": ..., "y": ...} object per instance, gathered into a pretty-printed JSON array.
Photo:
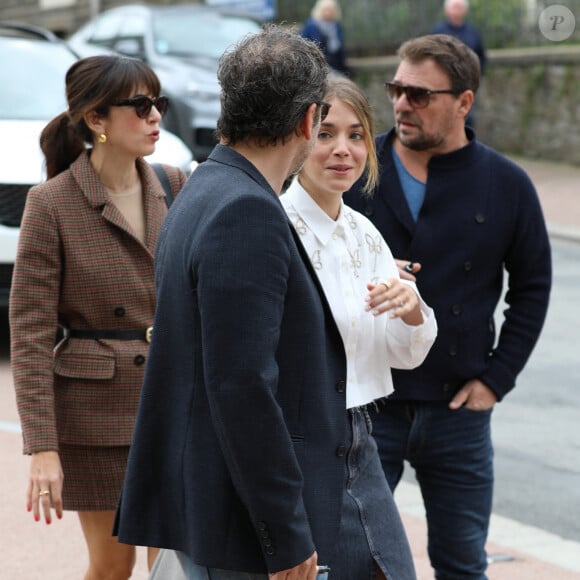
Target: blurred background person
[
  {"x": 382, "y": 320},
  {"x": 85, "y": 263},
  {"x": 325, "y": 28},
  {"x": 456, "y": 25}
]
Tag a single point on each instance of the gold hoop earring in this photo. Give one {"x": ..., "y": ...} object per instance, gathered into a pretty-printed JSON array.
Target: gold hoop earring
[{"x": 102, "y": 138}]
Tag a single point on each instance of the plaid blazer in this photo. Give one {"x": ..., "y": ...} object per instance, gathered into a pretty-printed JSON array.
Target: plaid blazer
[{"x": 80, "y": 266}]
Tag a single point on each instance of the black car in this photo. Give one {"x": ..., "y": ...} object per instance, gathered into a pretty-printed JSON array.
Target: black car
[{"x": 183, "y": 44}]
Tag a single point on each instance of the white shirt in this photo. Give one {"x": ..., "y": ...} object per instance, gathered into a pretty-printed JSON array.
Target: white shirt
[{"x": 347, "y": 254}]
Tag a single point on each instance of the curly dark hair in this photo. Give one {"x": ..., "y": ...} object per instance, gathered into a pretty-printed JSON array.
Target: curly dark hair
[{"x": 268, "y": 81}]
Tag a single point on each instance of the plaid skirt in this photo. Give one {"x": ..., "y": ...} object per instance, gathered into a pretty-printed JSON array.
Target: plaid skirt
[{"x": 93, "y": 476}]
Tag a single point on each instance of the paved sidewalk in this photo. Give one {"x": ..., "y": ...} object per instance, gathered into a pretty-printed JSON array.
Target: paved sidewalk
[{"x": 558, "y": 187}]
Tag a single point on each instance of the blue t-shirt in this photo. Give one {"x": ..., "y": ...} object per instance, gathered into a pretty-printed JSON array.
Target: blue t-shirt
[{"x": 413, "y": 189}]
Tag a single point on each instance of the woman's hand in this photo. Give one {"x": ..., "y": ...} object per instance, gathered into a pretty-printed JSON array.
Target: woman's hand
[
  {"x": 396, "y": 298},
  {"x": 45, "y": 485}
]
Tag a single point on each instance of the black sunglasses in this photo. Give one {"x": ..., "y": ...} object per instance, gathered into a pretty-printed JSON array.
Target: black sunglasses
[
  {"x": 143, "y": 105},
  {"x": 324, "y": 108},
  {"x": 418, "y": 97}
]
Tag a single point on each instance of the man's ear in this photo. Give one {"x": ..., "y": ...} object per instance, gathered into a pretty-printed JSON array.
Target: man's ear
[
  {"x": 466, "y": 99},
  {"x": 308, "y": 122}
]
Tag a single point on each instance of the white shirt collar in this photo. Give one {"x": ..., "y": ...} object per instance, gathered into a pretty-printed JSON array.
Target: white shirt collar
[{"x": 317, "y": 220}]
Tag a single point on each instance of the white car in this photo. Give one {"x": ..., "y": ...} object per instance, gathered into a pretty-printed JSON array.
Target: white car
[{"x": 34, "y": 64}]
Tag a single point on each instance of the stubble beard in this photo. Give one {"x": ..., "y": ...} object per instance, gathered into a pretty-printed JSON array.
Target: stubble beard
[{"x": 419, "y": 141}]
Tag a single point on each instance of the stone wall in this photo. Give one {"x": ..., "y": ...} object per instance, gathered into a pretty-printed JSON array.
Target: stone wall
[{"x": 528, "y": 104}]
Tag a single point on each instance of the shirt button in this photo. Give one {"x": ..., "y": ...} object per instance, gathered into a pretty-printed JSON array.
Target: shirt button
[
  {"x": 270, "y": 551},
  {"x": 119, "y": 311},
  {"x": 261, "y": 525},
  {"x": 341, "y": 451},
  {"x": 139, "y": 360}
]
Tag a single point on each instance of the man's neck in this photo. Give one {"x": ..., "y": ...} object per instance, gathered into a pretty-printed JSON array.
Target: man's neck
[
  {"x": 417, "y": 161},
  {"x": 273, "y": 162}
]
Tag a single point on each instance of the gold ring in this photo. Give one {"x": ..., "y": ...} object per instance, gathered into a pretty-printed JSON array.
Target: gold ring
[
  {"x": 387, "y": 284},
  {"x": 45, "y": 492}
]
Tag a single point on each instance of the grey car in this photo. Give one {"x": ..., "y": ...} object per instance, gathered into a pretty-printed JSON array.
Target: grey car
[{"x": 183, "y": 44}]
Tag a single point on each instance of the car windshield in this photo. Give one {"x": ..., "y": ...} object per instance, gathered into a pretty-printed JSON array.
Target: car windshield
[
  {"x": 32, "y": 79},
  {"x": 198, "y": 35}
]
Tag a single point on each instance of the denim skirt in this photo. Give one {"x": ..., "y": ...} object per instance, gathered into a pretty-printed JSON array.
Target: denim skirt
[{"x": 371, "y": 532}]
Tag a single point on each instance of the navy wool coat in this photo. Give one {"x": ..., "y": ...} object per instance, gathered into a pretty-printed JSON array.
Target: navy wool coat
[
  {"x": 238, "y": 455},
  {"x": 481, "y": 218}
]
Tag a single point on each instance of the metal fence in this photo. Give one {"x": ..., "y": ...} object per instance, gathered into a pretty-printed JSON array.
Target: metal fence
[{"x": 375, "y": 27}]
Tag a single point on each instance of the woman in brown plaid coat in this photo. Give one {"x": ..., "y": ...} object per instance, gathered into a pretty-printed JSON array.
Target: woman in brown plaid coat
[{"x": 85, "y": 263}]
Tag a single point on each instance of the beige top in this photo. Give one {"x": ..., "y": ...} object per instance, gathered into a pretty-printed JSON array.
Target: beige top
[{"x": 130, "y": 204}]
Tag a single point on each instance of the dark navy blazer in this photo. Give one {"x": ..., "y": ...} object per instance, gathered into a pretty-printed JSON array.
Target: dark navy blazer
[
  {"x": 481, "y": 217},
  {"x": 239, "y": 450}
]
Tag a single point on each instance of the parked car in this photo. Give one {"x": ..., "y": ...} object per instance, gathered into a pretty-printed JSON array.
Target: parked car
[
  {"x": 32, "y": 77},
  {"x": 183, "y": 44}
]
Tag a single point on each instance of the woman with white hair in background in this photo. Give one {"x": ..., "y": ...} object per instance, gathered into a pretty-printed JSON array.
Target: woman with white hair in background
[{"x": 325, "y": 28}]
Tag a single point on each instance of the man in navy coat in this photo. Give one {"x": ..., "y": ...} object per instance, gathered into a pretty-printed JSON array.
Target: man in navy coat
[
  {"x": 461, "y": 216},
  {"x": 236, "y": 461}
]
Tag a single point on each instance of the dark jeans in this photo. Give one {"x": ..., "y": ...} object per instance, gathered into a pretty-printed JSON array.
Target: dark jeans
[{"x": 452, "y": 454}]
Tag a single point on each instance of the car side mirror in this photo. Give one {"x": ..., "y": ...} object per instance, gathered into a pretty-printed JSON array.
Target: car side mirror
[{"x": 129, "y": 47}]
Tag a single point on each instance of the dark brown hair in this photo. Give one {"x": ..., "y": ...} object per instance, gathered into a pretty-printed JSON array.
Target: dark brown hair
[
  {"x": 92, "y": 84},
  {"x": 268, "y": 81},
  {"x": 455, "y": 59}
]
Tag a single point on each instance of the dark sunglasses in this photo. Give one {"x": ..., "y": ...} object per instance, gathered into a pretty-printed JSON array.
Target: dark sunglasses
[
  {"x": 324, "y": 108},
  {"x": 418, "y": 97},
  {"x": 143, "y": 105}
]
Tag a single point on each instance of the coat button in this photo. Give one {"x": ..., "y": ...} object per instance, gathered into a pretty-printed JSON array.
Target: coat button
[
  {"x": 139, "y": 360},
  {"x": 341, "y": 386},
  {"x": 467, "y": 266},
  {"x": 119, "y": 311},
  {"x": 261, "y": 526},
  {"x": 456, "y": 309},
  {"x": 369, "y": 210},
  {"x": 453, "y": 350},
  {"x": 267, "y": 543},
  {"x": 479, "y": 218},
  {"x": 446, "y": 387},
  {"x": 340, "y": 451},
  {"x": 270, "y": 551}
]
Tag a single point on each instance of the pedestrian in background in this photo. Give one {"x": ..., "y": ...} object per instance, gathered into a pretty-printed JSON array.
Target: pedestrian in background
[
  {"x": 325, "y": 28},
  {"x": 455, "y": 24},
  {"x": 382, "y": 320},
  {"x": 239, "y": 456},
  {"x": 460, "y": 216},
  {"x": 85, "y": 262}
]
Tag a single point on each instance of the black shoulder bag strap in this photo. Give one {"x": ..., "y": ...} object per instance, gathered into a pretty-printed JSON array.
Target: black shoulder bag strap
[{"x": 164, "y": 180}]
